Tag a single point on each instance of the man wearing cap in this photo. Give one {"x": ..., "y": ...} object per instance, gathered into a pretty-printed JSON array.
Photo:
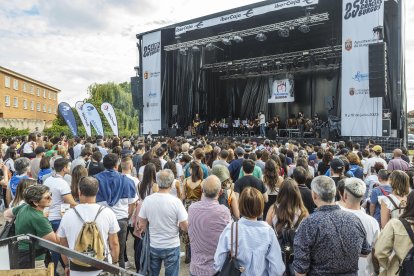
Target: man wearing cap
[
  {"x": 353, "y": 194},
  {"x": 397, "y": 163},
  {"x": 337, "y": 168},
  {"x": 204, "y": 233},
  {"x": 235, "y": 165},
  {"x": 374, "y": 159},
  {"x": 35, "y": 162}
]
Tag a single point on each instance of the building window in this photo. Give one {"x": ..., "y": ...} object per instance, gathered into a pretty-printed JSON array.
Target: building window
[
  {"x": 44, "y": 108},
  {"x": 44, "y": 93},
  {"x": 24, "y": 87},
  {"x": 38, "y": 92},
  {"x": 54, "y": 96},
  {"x": 38, "y": 107},
  {"x": 15, "y": 102},
  {"x": 7, "y": 82},
  {"x": 50, "y": 109},
  {"x": 7, "y": 100},
  {"x": 31, "y": 89},
  {"x": 31, "y": 105},
  {"x": 25, "y": 104},
  {"x": 15, "y": 84},
  {"x": 50, "y": 96}
]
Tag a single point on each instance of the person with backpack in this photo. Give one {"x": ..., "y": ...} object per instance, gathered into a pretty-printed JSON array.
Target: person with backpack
[
  {"x": 22, "y": 169},
  {"x": 395, "y": 246},
  {"x": 380, "y": 188},
  {"x": 392, "y": 205},
  {"x": 89, "y": 226}
]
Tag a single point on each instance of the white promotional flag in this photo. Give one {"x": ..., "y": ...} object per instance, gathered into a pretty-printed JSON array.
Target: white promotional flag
[
  {"x": 86, "y": 125},
  {"x": 93, "y": 118},
  {"x": 109, "y": 112},
  {"x": 282, "y": 91},
  {"x": 151, "y": 67},
  {"x": 360, "y": 114}
]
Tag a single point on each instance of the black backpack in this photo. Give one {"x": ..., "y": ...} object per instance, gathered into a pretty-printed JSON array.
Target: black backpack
[
  {"x": 407, "y": 265},
  {"x": 285, "y": 238}
]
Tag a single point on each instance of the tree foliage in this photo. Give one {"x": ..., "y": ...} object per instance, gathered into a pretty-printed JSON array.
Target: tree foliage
[{"x": 119, "y": 95}]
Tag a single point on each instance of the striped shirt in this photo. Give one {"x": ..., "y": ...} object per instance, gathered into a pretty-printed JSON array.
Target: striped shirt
[
  {"x": 206, "y": 221},
  {"x": 258, "y": 249}
]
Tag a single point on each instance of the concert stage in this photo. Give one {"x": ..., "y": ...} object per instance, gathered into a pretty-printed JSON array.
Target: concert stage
[{"x": 340, "y": 59}]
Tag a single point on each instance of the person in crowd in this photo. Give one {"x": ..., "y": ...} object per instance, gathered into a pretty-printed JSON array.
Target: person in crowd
[
  {"x": 337, "y": 169},
  {"x": 272, "y": 182},
  {"x": 397, "y": 163},
  {"x": 126, "y": 149},
  {"x": 82, "y": 159},
  {"x": 71, "y": 144},
  {"x": 300, "y": 176},
  {"x": 258, "y": 250},
  {"x": 9, "y": 159},
  {"x": 44, "y": 169},
  {"x": 185, "y": 147},
  {"x": 383, "y": 188},
  {"x": 30, "y": 146},
  {"x": 257, "y": 171},
  {"x": 394, "y": 242},
  {"x": 77, "y": 149},
  {"x": 370, "y": 163},
  {"x": 88, "y": 210},
  {"x": 137, "y": 157},
  {"x": 227, "y": 196},
  {"x": 353, "y": 195},
  {"x": 19, "y": 198},
  {"x": 393, "y": 204},
  {"x": 95, "y": 166},
  {"x": 100, "y": 145},
  {"x": 319, "y": 241},
  {"x": 165, "y": 215},
  {"x": 30, "y": 219},
  {"x": 236, "y": 164},
  {"x": 372, "y": 181},
  {"x": 248, "y": 180},
  {"x": 78, "y": 172},
  {"x": 198, "y": 156},
  {"x": 175, "y": 188},
  {"x": 355, "y": 165},
  {"x": 204, "y": 234},
  {"x": 118, "y": 192},
  {"x": 22, "y": 169},
  {"x": 222, "y": 159},
  {"x": 146, "y": 158},
  {"x": 35, "y": 162}
]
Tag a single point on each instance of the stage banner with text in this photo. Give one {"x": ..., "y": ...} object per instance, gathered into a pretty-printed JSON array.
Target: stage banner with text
[
  {"x": 109, "y": 112},
  {"x": 82, "y": 116},
  {"x": 360, "y": 114},
  {"x": 282, "y": 91},
  {"x": 151, "y": 68},
  {"x": 66, "y": 112},
  {"x": 93, "y": 118}
]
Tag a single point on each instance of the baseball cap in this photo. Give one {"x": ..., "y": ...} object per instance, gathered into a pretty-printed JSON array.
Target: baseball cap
[
  {"x": 221, "y": 172},
  {"x": 377, "y": 148},
  {"x": 355, "y": 186},
  {"x": 239, "y": 151},
  {"x": 39, "y": 150},
  {"x": 337, "y": 164}
]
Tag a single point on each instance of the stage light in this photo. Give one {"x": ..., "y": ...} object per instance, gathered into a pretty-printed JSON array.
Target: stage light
[
  {"x": 304, "y": 28},
  {"x": 261, "y": 37},
  {"x": 283, "y": 32},
  {"x": 183, "y": 51},
  {"x": 237, "y": 39},
  {"x": 195, "y": 49},
  {"x": 226, "y": 41}
]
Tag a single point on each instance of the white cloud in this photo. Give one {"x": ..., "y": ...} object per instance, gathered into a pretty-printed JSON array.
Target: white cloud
[{"x": 71, "y": 44}]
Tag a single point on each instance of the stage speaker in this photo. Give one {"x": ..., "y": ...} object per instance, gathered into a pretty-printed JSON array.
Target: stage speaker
[
  {"x": 187, "y": 133},
  {"x": 329, "y": 102},
  {"x": 174, "y": 110},
  {"x": 163, "y": 132},
  {"x": 137, "y": 93},
  {"x": 377, "y": 55},
  {"x": 272, "y": 134},
  {"x": 172, "y": 132},
  {"x": 325, "y": 133},
  {"x": 386, "y": 127}
]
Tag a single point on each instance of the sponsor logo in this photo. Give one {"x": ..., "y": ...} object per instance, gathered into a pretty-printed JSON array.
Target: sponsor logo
[
  {"x": 359, "y": 77},
  {"x": 348, "y": 44},
  {"x": 361, "y": 7},
  {"x": 199, "y": 25},
  {"x": 152, "y": 94},
  {"x": 66, "y": 108},
  {"x": 148, "y": 75},
  {"x": 351, "y": 91},
  {"x": 90, "y": 108},
  {"x": 152, "y": 49},
  {"x": 249, "y": 13},
  {"x": 111, "y": 119},
  {"x": 106, "y": 107}
]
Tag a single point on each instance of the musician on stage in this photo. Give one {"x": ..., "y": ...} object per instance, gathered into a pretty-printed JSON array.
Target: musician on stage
[
  {"x": 214, "y": 127},
  {"x": 196, "y": 124},
  {"x": 237, "y": 126},
  {"x": 301, "y": 122},
  {"x": 262, "y": 124}
]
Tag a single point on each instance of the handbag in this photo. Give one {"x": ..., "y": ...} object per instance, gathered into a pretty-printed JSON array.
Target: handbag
[{"x": 231, "y": 266}]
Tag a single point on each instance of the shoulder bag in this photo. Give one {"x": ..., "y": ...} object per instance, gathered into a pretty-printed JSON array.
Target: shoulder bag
[{"x": 231, "y": 266}]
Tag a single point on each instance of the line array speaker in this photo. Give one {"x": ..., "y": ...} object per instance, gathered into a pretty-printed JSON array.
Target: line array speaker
[
  {"x": 377, "y": 53},
  {"x": 137, "y": 94}
]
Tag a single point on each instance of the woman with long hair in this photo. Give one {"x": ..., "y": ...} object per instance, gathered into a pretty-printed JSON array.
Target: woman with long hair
[
  {"x": 392, "y": 205},
  {"x": 146, "y": 157},
  {"x": 175, "y": 187},
  {"x": 19, "y": 198},
  {"x": 272, "y": 181},
  {"x": 148, "y": 184},
  {"x": 192, "y": 193},
  {"x": 394, "y": 242},
  {"x": 323, "y": 166},
  {"x": 45, "y": 169},
  {"x": 78, "y": 172}
]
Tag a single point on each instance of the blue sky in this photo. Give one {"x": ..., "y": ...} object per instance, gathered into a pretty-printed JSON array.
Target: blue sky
[{"x": 71, "y": 44}]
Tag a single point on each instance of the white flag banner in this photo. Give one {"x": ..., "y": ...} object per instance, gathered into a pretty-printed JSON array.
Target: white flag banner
[
  {"x": 86, "y": 125},
  {"x": 151, "y": 66},
  {"x": 237, "y": 16},
  {"x": 93, "y": 118},
  {"x": 282, "y": 91},
  {"x": 109, "y": 112},
  {"x": 360, "y": 114}
]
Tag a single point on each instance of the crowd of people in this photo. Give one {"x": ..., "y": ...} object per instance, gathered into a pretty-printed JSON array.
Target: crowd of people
[{"x": 277, "y": 209}]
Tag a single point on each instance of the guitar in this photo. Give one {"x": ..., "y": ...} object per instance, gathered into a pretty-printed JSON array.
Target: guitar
[{"x": 196, "y": 124}]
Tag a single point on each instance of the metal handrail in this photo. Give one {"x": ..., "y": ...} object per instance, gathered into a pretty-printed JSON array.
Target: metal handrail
[{"x": 107, "y": 267}]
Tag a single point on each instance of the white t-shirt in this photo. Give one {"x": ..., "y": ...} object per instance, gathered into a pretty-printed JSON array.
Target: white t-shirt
[
  {"x": 372, "y": 228},
  {"x": 141, "y": 172},
  {"x": 29, "y": 147},
  {"x": 179, "y": 169},
  {"x": 77, "y": 150},
  {"x": 371, "y": 163},
  {"x": 71, "y": 225},
  {"x": 164, "y": 212},
  {"x": 121, "y": 207},
  {"x": 262, "y": 119},
  {"x": 59, "y": 188}
]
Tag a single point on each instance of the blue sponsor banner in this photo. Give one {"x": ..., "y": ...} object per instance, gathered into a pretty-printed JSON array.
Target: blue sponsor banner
[{"x": 66, "y": 112}]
